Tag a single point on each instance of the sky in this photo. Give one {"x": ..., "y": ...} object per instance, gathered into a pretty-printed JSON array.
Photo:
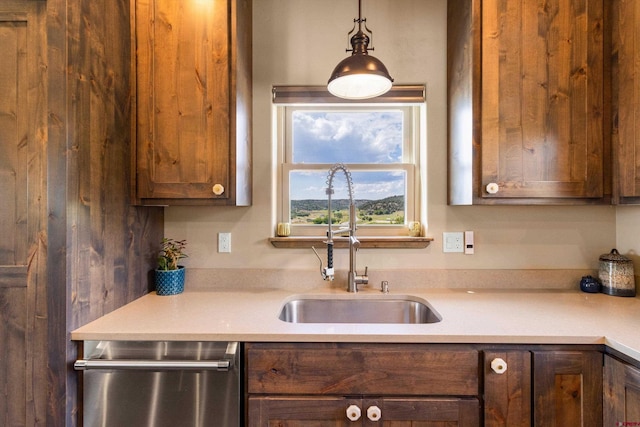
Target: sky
[{"x": 330, "y": 137}]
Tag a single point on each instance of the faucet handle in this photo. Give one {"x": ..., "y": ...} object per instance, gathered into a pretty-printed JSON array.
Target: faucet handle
[{"x": 362, "y": 279}]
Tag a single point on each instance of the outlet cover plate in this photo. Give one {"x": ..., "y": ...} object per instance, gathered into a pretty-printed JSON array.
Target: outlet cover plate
[
  {"x": 453, "y": 242},
  {"x": 224, "y": 242}
]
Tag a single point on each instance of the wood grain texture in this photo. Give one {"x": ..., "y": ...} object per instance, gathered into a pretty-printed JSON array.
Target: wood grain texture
[
  {"x": 533, "y": 119},
  {"x": 625, "y": 58},
  {"x": 507, "y": 396},
  {"x": 23, "y": 215},
  {"x": 101, "y": 249},
  {"x": 299, "y": 242},
  {"x": 621, "y": 393},
  {"x": 567, "y": 388},
  {"x": 362, "y": 369},
  {"x": 542, "y": 98},
  {"x": 193, "y": 101},
  {"x": 301, "y": 411}
]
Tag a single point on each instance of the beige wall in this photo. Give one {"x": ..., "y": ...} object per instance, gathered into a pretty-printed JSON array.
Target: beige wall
[
  {"x": 628, "y": 235},
  {"x": 299, "y": 42}
]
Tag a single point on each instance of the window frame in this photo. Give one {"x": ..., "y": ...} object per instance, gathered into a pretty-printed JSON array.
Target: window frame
[{"x": 411, "y": 100}]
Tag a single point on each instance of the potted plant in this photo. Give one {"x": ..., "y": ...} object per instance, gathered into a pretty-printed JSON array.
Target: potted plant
[{"x": 170, "y": 275}]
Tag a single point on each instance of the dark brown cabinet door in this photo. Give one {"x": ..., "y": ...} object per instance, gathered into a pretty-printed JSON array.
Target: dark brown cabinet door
[
  {"x": 626, "y": 98},
  {"x": 621, "y": 393},
  {"x": 299, "y": 411},
  {"x": 193, "y": 102},
  {"x": 322, "y": 411},
  {"x": 323, "y": 384},
  {"x": 507, "y": 388},
  {"x": 526, "y": 102},
  {"x": 400, "y": 412},
  {"x": 567, "y": 388}
]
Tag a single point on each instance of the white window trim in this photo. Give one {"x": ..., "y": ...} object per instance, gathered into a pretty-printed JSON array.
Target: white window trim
[{"x": 413, "y": 163}]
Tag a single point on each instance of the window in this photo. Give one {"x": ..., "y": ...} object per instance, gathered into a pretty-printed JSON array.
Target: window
[{"x": 378, "y": 141}]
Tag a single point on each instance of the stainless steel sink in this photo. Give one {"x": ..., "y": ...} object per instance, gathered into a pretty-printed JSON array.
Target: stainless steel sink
[{"x": 389, "y": 309}]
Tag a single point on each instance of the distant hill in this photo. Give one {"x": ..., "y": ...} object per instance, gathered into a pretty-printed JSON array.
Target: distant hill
[{"x": 385, "y": 206}]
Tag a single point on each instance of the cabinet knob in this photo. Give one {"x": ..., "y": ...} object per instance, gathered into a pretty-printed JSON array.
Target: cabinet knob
[
  {"x": 492, "y": 188},
  {"x": 499, "y": 366},
  {"x": 218, "y": 189},
  {"x": 374, "y": 413},
  {"x": 354, "y": 412}
]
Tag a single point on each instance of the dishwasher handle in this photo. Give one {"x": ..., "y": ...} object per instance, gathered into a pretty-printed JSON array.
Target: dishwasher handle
[
  {"x": 153, "y": 365},
  {"x": 160, "y": 365}
]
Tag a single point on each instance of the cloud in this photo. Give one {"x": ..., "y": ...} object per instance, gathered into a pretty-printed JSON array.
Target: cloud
[{"x": 349, "y": 137}]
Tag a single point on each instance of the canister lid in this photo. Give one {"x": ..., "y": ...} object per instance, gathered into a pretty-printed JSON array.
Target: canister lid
[{"x": 614, "y": 256}]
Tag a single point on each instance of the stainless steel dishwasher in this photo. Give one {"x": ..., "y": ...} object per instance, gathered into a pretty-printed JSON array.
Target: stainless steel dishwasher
[{"x": 160, "y": 383}]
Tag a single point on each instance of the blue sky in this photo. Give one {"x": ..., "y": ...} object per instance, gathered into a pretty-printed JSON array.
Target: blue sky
[{"x": 347, "y": 137}]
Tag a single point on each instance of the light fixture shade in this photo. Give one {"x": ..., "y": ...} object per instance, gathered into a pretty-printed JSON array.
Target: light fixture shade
[{"x": 359, "y": 76}]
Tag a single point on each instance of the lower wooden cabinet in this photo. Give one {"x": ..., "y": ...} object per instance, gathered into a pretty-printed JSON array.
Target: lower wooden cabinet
[
  {"x": 340, "y": 384},
  {"x": 621, "y": 393},
  {"x": 362, "y": 385},
  {"x": 543, "y": 388},
  {"x": 507, "y": 388},
  {"x": 306, "y": 411}
]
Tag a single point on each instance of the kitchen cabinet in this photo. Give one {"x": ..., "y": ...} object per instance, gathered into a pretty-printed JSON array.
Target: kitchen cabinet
[
  {"x": 507, "y": 388},
  {"x": 313, "y": 410},
  {"x": 193, "y": 102},
  {"x": 542, "y": 388},
  {"x": 567, "y": 388},
  {"x": 305, "y": 383},
  {"x": 526, "y": 102},
  {"x": 625, "y": 69},
  {"x": 621, "y": 393}
]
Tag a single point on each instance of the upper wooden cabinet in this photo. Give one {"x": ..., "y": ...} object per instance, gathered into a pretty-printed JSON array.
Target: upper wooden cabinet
[
  {"x": 526, "y": 102},
  {"x": 626, "y": 99},
  {"x": 192, "y": 131}
]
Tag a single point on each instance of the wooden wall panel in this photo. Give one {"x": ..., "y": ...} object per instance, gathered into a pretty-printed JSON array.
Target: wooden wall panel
[
  {"x": 101, "y": 248},
  {"x": 23, "y": 214}
]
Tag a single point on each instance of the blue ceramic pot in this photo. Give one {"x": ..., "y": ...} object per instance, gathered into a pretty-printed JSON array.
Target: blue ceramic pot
[{"x": 170, "y": 282}]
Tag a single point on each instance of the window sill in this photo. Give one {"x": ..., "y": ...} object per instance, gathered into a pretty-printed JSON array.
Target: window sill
[{"x": 378, "y": 242}]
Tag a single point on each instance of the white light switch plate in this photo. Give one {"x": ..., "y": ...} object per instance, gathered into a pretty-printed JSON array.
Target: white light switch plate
[{"x": 453, "y": 242}]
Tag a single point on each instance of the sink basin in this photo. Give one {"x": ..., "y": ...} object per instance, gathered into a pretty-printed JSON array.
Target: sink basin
[{"x": 389, "y": 309}]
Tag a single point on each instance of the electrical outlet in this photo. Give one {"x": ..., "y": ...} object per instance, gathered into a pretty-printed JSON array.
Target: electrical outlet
[
  {"x": 224, "y": 242},
  {"x": 453, "y": 242}
]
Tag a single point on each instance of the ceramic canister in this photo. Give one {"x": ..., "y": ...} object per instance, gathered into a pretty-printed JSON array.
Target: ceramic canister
[{"x": 616, "y": 275}]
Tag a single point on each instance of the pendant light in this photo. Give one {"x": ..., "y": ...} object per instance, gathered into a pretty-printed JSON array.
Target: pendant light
[{"x": 360, "y": 76}]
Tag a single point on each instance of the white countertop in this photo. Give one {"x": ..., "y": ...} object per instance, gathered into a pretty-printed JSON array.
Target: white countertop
[{"x": 479, "y": 316}]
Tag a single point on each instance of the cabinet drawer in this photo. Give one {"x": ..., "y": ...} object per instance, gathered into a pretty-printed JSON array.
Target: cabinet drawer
[{"x": 362, "y": 369}]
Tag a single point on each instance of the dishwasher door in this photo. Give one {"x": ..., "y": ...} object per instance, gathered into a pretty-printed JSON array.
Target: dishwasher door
[{"x": 157, "y": 384}]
